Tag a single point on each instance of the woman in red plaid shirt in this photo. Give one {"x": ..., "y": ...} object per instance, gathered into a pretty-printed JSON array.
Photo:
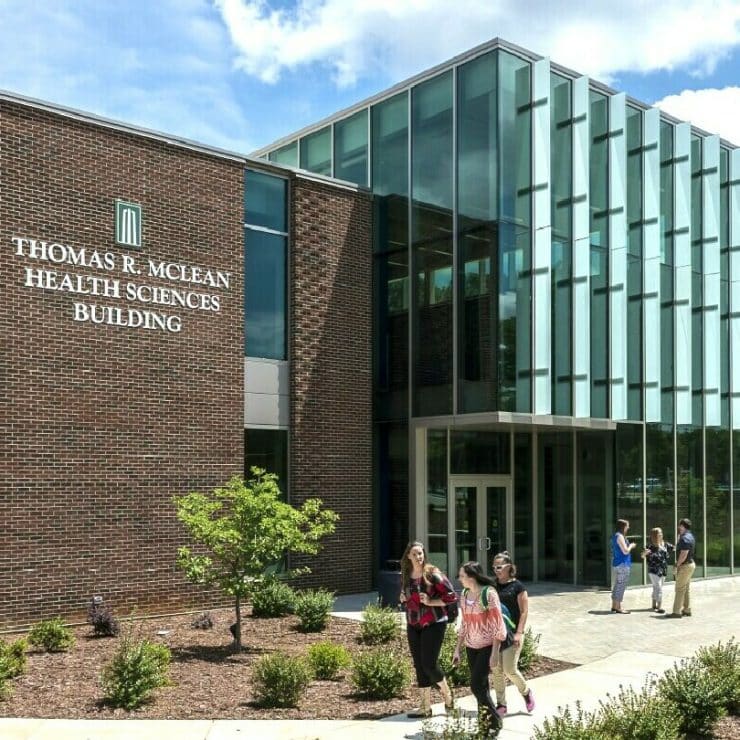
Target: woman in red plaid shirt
[{"x": 425, "y": 593}]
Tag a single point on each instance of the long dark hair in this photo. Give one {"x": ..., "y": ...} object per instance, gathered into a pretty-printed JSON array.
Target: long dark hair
[
  {"x": 427, "y": 568},
  {"x": 473, "y": 569}
]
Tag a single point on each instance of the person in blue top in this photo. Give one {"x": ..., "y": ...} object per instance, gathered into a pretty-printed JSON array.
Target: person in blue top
[
  {"x": 621, "y": 564},
  {"x": 685, "y": 567}
]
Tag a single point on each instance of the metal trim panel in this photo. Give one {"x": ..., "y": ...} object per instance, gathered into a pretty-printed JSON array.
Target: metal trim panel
[{"x": 734, "y": 215}]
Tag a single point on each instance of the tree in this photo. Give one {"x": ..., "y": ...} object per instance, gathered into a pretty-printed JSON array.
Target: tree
[{"x": 245, "y": 527}]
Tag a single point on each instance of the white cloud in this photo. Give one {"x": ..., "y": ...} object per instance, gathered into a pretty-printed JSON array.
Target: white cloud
[
  {"x": 355, "y": 39},
  {"x": 716, "y": 111}
]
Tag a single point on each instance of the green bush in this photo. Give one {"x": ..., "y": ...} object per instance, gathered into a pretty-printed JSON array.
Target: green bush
[
  {"x": 12, "y": 663},
  {"x": 136, "y": 670},
  {"x": 380, "y": 673},
  {"x": 723, "y": 664},
  {"x": 695, "y": 692},
  {"x": 312, "y": 608},
  {"x": 639, "y": 716},
  {"x": 379, "y": 625},
  {"x": 530, "y": 650},
  {"x": 458, "y": 675},
  {"x": 569, "y": 724},
  {"x": 327, "y": 659},
  {"x": 272, "y": 598},
  {"x": 52, "y": 636},
  {"x": 280, "y": 680}
]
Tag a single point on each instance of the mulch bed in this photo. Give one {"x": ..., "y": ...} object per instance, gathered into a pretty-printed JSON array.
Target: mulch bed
[{"x": 209, "y": 680}]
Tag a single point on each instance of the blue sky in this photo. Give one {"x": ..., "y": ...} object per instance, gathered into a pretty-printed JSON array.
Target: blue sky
[{"x": 239, "y": 74}]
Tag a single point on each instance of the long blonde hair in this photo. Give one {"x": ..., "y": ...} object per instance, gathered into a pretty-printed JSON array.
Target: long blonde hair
[{"x": 656, "y": 536}]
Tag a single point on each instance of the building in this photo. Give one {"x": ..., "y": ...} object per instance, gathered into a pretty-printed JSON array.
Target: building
[
  {"x": 172, "y": 314},
  {"x": 555, "y": 295}
]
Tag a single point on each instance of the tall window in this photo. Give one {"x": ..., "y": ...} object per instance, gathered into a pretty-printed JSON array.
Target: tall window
[{"x": 265, "y": 266}]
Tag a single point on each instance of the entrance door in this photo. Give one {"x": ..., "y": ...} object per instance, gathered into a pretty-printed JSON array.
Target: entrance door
[{"x": 479, "y": 508}]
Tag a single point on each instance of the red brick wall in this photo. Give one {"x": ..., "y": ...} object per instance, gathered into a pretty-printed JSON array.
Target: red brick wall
[
  {"x": 102, "y": 425},
  {"x": 331, "y": 389}
]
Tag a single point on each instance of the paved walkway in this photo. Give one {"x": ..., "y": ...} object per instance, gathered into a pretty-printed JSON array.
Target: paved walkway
[{"x": 575, "y": 625}]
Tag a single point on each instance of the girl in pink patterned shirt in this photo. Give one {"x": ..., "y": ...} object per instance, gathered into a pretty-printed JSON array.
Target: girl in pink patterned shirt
[{"x": 482, "y": 631}]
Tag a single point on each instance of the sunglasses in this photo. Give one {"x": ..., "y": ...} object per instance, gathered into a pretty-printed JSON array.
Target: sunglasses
[{"x": 499, "y": 567}]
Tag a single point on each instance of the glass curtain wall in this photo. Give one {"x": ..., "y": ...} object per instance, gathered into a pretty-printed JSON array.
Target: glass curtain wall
[
  {"x": 478, "y": 265},
  {"x": 555, "y": 526},
  {"x": 667, "y": 293},
  {"x": 350, "y": 148},
  {"x": 634, "y": 264},
  {"x": 659, "y": 480},
  {"x": 432, "y": 243},
  {"x": 599, "y": 227},
  {"x": 514, "y": 237},
  {"x": 315, "y": 152},
  {"x": 523, "y": 506},
  {"x": 392, "y": 474},
  {"x": 629, "y": 487},
  {"x": 561, "y": 194},
  {"x": 436, "y": 499}
]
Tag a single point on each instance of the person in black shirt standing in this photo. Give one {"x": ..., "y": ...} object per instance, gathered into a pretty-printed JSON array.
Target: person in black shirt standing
[
  {"x": 685, "y": 567},
  {"x": 513, "y": 595},
  {"x": 656, "y": 554}
]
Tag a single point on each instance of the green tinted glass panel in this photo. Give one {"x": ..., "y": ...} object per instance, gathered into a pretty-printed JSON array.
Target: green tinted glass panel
[
  {"x": 350, "y": 149},
  {"x": 265, "y": 294},
  {"x": 316, "y": 152},
  {"x": 265, "y": 200},
  {"x": 286, "y": 155}
]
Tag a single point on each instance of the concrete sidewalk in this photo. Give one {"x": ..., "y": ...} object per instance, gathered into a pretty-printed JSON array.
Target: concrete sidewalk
[{"x": 575, "y": 625}]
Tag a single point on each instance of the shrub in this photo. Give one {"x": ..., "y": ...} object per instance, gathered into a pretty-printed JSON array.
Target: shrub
[
  {"x": 312, "y": 608},
  {"x": 52, "y": 636},
  {"x": 12, "y": 658},
  {"x": 639, "y": 716},
  {"x": 530, "y": 650},
  {"x": 272, "y": 598},
  {"x": 380, "y": 673},
  {"x": 569, "y": 725},
  {"x": 379, "y": 625},
  {"x": 280, "y": 680},
  {"x": 103, "y": 622},
  {"x": 203, "y": 621},
  {"x": 327, "y": 659},
  {"x": 12, "y": 663},
  {"x": 136, "y": 670},
  {"x": 458, "y": 675},
  {"x": 723, "y": 664},
  {"x": 695, "y": 692}
]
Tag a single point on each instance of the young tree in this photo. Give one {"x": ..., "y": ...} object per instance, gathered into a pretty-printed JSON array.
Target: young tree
[{"x": 244, "y": 527}]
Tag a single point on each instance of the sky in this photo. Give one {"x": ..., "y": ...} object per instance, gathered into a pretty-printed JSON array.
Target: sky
[{"x": 239, "y": 74}]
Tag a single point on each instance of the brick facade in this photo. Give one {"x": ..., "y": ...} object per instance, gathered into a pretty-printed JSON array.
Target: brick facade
[
  {"x": 101, "y": 424},
  {"x": 331, "y": 388}
]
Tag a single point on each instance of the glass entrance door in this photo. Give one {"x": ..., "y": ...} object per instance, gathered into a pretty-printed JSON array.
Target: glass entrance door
[{"x": 479, "y": 508}]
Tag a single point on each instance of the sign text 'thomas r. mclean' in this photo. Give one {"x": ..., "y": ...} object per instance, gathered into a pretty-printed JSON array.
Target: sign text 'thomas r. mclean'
[{"x": 135, "y": 288}]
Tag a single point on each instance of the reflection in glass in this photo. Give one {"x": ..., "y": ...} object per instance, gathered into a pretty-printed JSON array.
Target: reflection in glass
[
  {"x": 316, "y": 152},
  {"x": 599, "y": 204},
  {"x": 287, "y": 155},
  {"x": 697, "y": 286},
  {"x": 595, "y": 507},
  {"x": 630, "y": 490},
  {"x": 477, "y": 180},
  {"x": 466, "y": 529},
  {"x": 483, "y": 452},
  {"x": 432, "y": 244},
  {"x": 350, "y": 148},
  {"x": 523, "y": 534},
  {"x": 265, "y": 298},
  {"x": 717, "y": 502},
  {"x": 561, "y": 183},
  {"x": 437, "y": 497},
  {"x": 555, "y": 507},
  {"x": 689, "y": 495},
  {"x": 267, "y": 449},
  {"x": 659, "y": 481},
  {"x": 392, "y": 495},
  {"x": 265, "y": 200}
]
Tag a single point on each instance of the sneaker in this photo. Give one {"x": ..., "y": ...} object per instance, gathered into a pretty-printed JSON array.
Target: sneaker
[
  {"x": 672, "y": 615},
  {"x": 660, "y": 611},
  {"x": 501, "y": 710},
  {"x": 529, "y": 701},
  {"x": 686, "y": 614}
]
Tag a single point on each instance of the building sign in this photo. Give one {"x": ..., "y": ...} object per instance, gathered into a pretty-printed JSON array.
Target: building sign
[
  {"x": 120, "y": 289},
  {"x": 128, "y": 224}
]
